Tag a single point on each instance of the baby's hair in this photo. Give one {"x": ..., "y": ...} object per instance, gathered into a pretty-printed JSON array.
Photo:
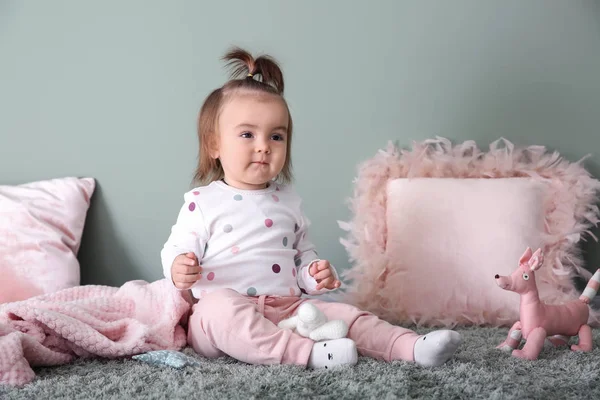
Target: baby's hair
[{"x": 261, "y": 75}]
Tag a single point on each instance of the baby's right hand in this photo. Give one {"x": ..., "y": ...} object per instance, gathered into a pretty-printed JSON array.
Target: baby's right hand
[{"x": 185, "y": 270}]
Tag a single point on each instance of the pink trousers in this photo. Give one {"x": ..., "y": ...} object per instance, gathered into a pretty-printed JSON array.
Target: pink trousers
[{"x": 225, "y": 322}]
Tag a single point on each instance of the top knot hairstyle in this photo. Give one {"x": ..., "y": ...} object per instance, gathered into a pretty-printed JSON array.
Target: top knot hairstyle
[
  {"x": 242, "y": 64},
  {"x": 261, "y": 75}
]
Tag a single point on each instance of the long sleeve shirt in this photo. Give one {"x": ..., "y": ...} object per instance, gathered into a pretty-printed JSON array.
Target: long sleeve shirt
[{"x": 251, "y": 241}]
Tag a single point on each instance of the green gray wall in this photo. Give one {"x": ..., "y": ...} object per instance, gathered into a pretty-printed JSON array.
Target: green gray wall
[{"x": 110, "y": 89}]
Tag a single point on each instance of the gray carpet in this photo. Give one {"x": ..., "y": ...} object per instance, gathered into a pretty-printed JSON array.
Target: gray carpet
[{"x": 477, "y": 372}]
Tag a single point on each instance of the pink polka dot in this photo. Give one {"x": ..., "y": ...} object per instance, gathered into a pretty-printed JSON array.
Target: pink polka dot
[
  {"x": 292, "y": 291},
  {"x": 210, "y": 276},
  {"x": 268, "y": 222},
  {"x": 192, "y": 206},
  {"x": 196, "y": 193},
  {"x": 275, "y": 198},
  {"x": 276, "y": 268},
  {"x": 294, "y": 272},
  {"x": 277, "y": 188},
  {"x": 235, "y": 249},
  {"x": 203, "y": 293}
]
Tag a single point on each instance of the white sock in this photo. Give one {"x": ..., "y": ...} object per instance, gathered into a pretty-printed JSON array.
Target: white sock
[
  {"x": 332, "y": 353},
  {"x": 435, "y": 348}
]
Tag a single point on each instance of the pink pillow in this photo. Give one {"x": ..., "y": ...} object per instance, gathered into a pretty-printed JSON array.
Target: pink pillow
[
  {"x": 425, "y": 251},
  {"x": 41, "y": 224},
  {"x": 458, "y": 234}
]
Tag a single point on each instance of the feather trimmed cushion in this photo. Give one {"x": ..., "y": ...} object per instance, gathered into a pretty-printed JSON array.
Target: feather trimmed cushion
[{"x": 425, "y": 251}]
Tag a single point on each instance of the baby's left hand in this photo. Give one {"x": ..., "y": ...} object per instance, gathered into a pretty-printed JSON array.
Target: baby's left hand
[{"x": 321, "y": 271}]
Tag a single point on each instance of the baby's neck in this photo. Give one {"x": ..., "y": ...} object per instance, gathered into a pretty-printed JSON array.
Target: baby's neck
[{"x": 254, "y": 187}]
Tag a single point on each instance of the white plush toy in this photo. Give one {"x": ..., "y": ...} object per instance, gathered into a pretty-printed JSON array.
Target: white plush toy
[{"x": 312, "y": 323}]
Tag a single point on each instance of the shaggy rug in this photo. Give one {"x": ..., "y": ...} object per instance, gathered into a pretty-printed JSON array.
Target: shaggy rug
[{"x": 478, "y": 371}]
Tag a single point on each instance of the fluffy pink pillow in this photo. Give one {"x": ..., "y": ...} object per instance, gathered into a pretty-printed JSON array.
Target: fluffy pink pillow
[
  {"x": 41, "y": 224},
  {"x": 409, "y": 269}
]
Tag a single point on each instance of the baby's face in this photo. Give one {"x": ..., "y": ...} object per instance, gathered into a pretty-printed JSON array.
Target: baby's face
[{"x": 252, "y": 142}]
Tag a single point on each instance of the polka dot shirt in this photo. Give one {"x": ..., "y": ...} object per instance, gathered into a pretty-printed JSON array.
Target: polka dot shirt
[{"x": 251, "y": 241}]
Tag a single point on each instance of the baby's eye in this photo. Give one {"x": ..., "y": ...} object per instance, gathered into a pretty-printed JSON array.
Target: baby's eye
[
  {"x": 277, "y": 137},
  {"x": 246, "y": 135}
]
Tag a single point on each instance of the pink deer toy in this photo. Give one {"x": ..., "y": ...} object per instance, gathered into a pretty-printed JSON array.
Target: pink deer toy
[{"x": 538, "y": 320}]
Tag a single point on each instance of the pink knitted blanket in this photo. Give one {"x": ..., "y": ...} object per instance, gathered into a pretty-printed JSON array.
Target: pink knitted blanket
[{"x": 89, "y": 321}]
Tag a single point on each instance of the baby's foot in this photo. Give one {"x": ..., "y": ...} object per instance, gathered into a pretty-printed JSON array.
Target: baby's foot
[
  {"x": 435, "y": 348},
  {"x": 332, "y": 353}
]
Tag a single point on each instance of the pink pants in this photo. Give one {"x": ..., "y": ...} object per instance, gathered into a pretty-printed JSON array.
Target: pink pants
[{"x": 225, "y": 322}]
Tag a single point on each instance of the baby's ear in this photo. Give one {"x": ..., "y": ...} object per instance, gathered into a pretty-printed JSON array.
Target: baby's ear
[{"x": 213, "y": 146}]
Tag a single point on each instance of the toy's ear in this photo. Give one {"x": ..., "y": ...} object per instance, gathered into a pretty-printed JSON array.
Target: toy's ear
[
  {"x": 536, "y": 261},
  {"x": 525, "y": 257}
]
